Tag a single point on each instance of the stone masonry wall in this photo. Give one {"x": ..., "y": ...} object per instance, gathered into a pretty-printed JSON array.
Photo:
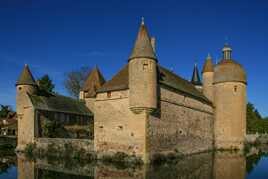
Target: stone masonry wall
[
  {"x": 59, "y": 144},
  {"x": 183, "y": 124},
  {"x": 116, "y": 127}
]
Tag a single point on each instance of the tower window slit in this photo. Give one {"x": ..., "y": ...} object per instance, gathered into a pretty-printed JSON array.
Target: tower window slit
[
  {"x": 145, "y": 66},
  {"x": 235, "y": 88}
]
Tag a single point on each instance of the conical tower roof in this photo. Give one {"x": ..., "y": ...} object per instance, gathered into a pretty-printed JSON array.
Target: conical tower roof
[
  {"x": 93, "y": 82},
  {"x": 196, "y": 78},
  {"x": 143, "y": 47},
  {"x": 208, "y": 66},
  {"x": 26, "y": 77}
]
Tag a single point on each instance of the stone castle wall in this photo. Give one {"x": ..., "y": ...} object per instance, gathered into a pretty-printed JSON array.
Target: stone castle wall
[
  {"x": 183, "y": 124},
  {"x": 60, "y": 144},
  {"x": 90, "y": 103},
  {"x": 117, "y": 128}
]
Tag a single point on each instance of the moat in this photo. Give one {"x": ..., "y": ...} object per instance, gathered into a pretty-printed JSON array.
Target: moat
[{"x": 220, "y": 165}]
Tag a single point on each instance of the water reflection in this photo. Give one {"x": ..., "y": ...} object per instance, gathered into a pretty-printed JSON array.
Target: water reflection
[{"x": 203, "y": 166}]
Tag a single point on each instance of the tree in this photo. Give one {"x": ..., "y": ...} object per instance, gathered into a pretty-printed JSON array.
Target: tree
[
  {"x": 45, "y": 83},
  {"x": 255, "y": 123},
  {"x": 4, "y": 110},
  {"x": 74, "y": 80}
]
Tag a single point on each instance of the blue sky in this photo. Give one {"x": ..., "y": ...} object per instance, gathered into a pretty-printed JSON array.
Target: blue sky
[{"x": 57, "y": 36}]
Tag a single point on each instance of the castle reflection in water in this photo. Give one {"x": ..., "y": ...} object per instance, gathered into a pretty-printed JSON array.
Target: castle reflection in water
[{"x": 203, "y": 166}]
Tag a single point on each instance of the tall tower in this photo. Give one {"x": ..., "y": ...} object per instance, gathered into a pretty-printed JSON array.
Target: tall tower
[
  {"x": 208, "y": 74},
  {"x": 25, "y": 86},
  {"x": 230, "y": 102},
  {"x": 196, "y": 81},
  {"x": 142, "y": 66}
]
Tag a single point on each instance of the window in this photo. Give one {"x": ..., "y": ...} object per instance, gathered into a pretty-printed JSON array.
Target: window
[
  {"x": 235, "y": 88},
  {"x": 120, "y": 127},
  {"x": 145, "y": 66}
]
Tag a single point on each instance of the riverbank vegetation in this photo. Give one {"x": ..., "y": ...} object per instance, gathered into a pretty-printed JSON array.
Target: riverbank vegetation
[{"x": 255, "y": 122}]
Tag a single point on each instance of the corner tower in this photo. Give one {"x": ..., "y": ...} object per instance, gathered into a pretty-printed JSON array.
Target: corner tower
[
  {"x": 25, "y": 86},
  {"x": 208, "y": 74},
  {"x": 142, "y": 66},
  {"x": 230, "y": 102}
]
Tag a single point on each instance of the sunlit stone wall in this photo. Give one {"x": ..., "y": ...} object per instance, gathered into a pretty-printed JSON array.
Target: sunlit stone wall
[{"x": 116, "y": 127}]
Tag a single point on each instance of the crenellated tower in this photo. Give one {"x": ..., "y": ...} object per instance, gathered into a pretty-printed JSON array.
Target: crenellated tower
[
  {"x": 142, "y": 66},
  {"x": 208, "y": 75},
  {"x": 230, "y": 100}
]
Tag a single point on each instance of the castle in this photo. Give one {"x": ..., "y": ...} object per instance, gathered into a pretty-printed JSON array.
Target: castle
[{"x": 145, "y": 108}]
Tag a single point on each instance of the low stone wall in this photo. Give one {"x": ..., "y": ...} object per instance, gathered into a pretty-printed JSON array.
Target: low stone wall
[
  {"x": 251, "y": 138},
  {"x": 257, "y": 138},
  {"x": 60, "y": 144}
]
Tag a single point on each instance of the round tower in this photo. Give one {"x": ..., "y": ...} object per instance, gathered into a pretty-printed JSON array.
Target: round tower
[
  {"x": 208, "y": 75},
  {"x": 25, "y": 85},
  {"x": 230, "y": 102},
  {"x": 142, "y": 66}
]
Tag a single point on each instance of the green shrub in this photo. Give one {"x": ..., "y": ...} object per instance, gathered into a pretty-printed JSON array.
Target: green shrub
[{"x": 29, "y": 150}]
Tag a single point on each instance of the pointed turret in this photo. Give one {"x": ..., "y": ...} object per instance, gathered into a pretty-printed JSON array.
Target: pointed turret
[
  {"x": 196, "y": 78},
  {"x": 142, "y": 67},
  {"x": 208, "y": 66},
  {"x": 143, "y": 47},
  {"x": 26, "y": 77},
  {"x": 24, "y": 86},
  {"x": 208, "y": 75},
  {"x": 93, "y": 82}
]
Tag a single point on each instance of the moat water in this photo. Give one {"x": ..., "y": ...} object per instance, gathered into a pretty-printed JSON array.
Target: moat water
[{"x": 221, "y": 165}]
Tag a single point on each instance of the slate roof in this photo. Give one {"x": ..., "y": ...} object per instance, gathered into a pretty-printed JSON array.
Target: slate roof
[
  {"x": 94, "y": 81},
  {"x": 59, "y": 103},
  {"x": 195, "y": 77},
  {"x": 166, "y": 78},
  {"x": 26, "y": 77},
  {"x": 143, "y": 46}
]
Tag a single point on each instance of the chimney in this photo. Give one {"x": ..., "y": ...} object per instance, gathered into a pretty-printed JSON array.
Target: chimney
[{"x": 153, "y": 43}]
